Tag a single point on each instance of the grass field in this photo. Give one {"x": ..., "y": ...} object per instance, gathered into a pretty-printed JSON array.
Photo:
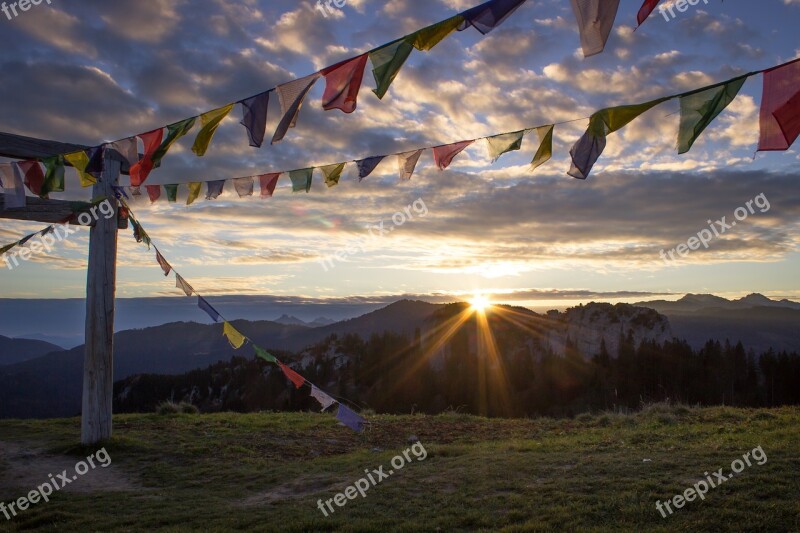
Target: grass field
[{"x": 267, "y": 471}]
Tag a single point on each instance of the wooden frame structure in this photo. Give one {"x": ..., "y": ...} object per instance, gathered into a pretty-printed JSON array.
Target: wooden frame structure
[{"x": 98, "y": 367}]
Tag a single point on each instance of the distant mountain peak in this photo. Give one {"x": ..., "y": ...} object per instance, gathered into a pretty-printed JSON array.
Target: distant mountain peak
[
  {"x": 755, "y": 298},
  {"x": 703, "y": 299},
  {"x": 289, "y": 320}
]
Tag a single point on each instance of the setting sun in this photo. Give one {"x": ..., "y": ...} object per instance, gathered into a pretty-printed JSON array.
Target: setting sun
[{"x": 480, "y": 303}]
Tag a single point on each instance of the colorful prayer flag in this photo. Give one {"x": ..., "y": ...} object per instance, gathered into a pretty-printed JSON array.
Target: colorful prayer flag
[
  {"x": 342, "y": 83},
  {"x": 293, "y": 376},
  {"x": 788, "y": 116},
  {"x": 54, "y": 175},
  {"x": 588, "y": 149},
  {"x": 243, "y": 186},
  {"x": 154, "y": 192},
  {"x": 407, "y": 162},
  {"x": 33, "y": 176},
  {"x": 507, "y": 142},
  {"x": 350, "y": 419},
  {"x": 268, "y": 183},
  {"x": 291, "y": 96},
  {"x": 301, "y": 179},
  {"x": 128, "y": 149},
  {"x": 332, "y": 173},
  {"x": 79, "y": 161},
  {"x": 214, "y": 189},
  {"x": 387, "y": 62},
  {"x": 174, "y": 132},
  {"x": 234, "y": 337},
  {"x": 165, "y": 266},
  {"x": 172, "y": 192},
  {"x": 595, "y": 22},
  {"x": 205, "y": 306},
  {"x": 645, "y": 10},
  {"x": 699, "y": 109},
  {"x": 181, "y": 284},
  {"x": 11, "y": 178},
  {"x": 195, "y": 188},
  {"x": 489, "y": 15},
  {"x": 210, "y": 122},
  {"x": 254, "y": 117},
  {"x": 366, "y": 166},
  {"x": 780, "y": 108},
  {"x": 324, "y": 400},
  {"x": 265, "y": 355},
  {"x": 428, "y": 37},
  {"x": 545, "y": 151},
  {"x": 141, "y": 170},
  {"x": 444, "y": 155}
]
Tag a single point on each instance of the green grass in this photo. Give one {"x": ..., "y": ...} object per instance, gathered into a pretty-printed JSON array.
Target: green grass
[{"x": 266, "y": 472}]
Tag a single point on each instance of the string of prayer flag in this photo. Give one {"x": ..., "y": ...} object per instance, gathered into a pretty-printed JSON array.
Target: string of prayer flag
[{"x": 237, "y": 339}]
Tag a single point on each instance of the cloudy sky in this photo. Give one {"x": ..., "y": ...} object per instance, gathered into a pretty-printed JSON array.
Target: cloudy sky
[{"x": 91, "y": 71}]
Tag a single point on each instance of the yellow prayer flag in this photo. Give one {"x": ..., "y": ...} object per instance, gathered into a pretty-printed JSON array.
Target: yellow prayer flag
[
  {"x": 194, "y": 192},
  {"x": 234, "y": 337},
  {"x": 80, "y": 161},
  {"x": 211, "y": 122}
]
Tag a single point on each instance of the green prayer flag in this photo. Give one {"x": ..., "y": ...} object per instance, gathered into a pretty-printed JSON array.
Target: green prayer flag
[
  {"x": 332, "y": 173},
  {"x": 265, "y": 355},
  {"x": 301, "y": 179},
  {"x": 387, "y": 62},
  {"x": 612, "y": 119},
  {"x": 211, "y": 122},
  {"x": 54, "y": 175},
  {"x": 698, "y": 110},
  {"x": 194, "y": 192},
  {"x": 507, "y": 142},
  {"x": 427, "y": 38},
  {"x": 174, "y": 132},
  {"x": 172, "y": 192},
  {"x": 545, "y": 151}
]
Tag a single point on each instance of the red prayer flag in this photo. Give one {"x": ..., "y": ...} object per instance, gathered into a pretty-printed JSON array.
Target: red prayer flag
[
  {"x": 645, "y": 10},
  {"x": 153, "y": 191},
  {"x": 788, "y": 117},
  {"x": 34, "y": 177},
  {"x": 443, "y": 155},
  {"x": 142, "y": 169},
  {"x": 268, "y": 183},
  {"x": 780, "y": 107},
  {"x": 342, "y": 83},
  {"x": 293, "y": 376}
]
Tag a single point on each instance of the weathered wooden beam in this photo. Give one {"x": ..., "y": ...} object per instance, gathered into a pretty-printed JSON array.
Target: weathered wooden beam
[
  {"x": 98, "y": 365},
  {"x": 51, "y": 211},
  {"x": 21, "y": 147}
]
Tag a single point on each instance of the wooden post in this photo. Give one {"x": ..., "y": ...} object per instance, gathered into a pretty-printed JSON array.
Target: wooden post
[{"x": 98, "y": 366}]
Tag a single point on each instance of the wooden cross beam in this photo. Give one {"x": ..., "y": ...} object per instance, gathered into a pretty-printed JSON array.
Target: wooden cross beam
[
  {"x": 50, "y": 211},
  {"x": 98, "y": 366}
]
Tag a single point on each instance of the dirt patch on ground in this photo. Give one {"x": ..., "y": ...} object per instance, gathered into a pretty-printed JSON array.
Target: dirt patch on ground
[
  {"x": 23, "y": 468},
  {"x": 298, "y": 488}
]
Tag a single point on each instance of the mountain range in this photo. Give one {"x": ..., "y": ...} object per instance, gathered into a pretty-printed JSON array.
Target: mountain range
[
  {"x": 759, "y": 322},
  {"x": 38, "y": 379}
]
